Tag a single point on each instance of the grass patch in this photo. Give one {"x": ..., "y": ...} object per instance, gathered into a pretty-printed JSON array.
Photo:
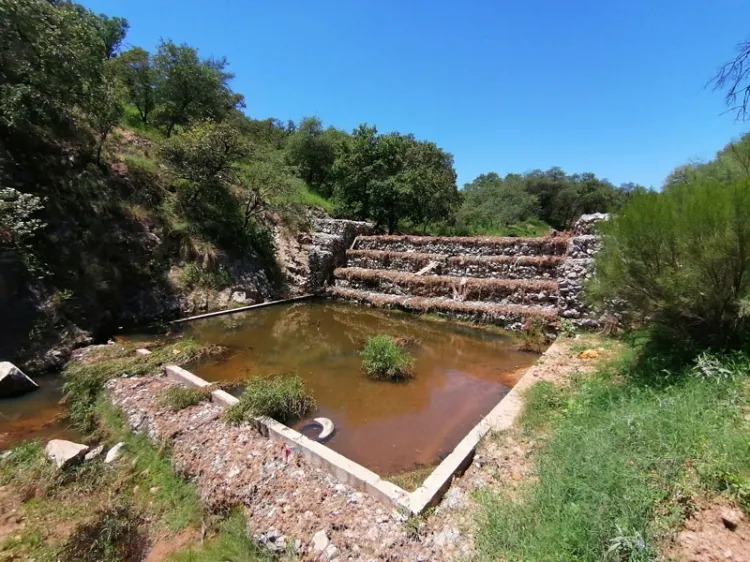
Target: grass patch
[
  {"x": 85, "y": 379},
  {"x": 411, "y": 479},
  {"x": 231, "y": 543},
  {"x": 114, "y": 535},
  {"x": 384, "y": 359},
  {"x": 168, "y": 496},
  {"x": 178, "y": 398},
  {"x": 283, "y": 398},
  {"x": 622, "y": 457}
]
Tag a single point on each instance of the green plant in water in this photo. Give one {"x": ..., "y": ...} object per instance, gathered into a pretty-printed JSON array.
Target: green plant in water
[
  {"x": 384, "y": 359},
  {"x": 283, "y": 398}
]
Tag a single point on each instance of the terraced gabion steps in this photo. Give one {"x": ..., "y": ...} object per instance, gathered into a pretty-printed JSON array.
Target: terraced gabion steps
[{"x": 504, "y": 281}]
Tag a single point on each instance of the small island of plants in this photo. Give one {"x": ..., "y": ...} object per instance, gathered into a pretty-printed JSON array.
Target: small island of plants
[{"x": 384, "y": 359}]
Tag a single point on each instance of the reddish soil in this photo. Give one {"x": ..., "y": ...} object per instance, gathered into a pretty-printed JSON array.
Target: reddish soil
[{"x": 717, "y": 531}]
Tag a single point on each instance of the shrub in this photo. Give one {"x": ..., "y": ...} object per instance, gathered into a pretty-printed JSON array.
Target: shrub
[
  {"x": 282, "y": 398},
  {"x": 680, "y": 261},
  {"x": 178, "y": 398},
  {"x": 534, "y": 335},
  {"x": 384, "y": 359}
]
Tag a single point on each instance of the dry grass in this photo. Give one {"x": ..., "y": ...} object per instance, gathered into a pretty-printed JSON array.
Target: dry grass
[
  {"x": 545, "y": 244},
  {"x": 486, "y": 311},
  {"x": 460, "y": 288}
]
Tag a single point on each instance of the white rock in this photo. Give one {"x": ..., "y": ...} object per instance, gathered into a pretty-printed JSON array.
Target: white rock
[
  {"x": 142, "y": 351},
  {"x": 320, "y": 541},
  {"x": 94, "y": 453},
  {"x": 13, "y": 382},
  {"x": 64, "y": 453},
  {"x": 114, "y": 453},
  {"x": 330, "y": 552}
]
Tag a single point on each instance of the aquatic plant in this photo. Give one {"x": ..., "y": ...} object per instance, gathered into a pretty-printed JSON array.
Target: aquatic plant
[
  {"x": 384, "y": 359},
  {"x": 283, "y": 398}
]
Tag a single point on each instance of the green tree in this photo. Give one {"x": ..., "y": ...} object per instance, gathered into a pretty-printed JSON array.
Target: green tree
[
  {"x": 51, "y": 65},
  {"x": 492, "y": 203},
  {"x": 204, "y": 157},
  {"x": 388, "y": 178},
  {"x": 313, "y": 150},
  {"x": 189, "y": 88},
  {"x": 139, "y": 77}
]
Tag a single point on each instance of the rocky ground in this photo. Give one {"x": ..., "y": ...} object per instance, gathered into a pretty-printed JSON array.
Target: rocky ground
[{"x": 290, "y": 504}]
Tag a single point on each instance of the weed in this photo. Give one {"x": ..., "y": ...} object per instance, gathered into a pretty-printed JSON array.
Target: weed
[
  {"x": 180, "y": 397},
  {"x": 231, "y": 543},
  {"x": 411, "y": 479},
  {"x": 114, "y": 535},
  {"x": 85, "y": 379},
  {"x": 567, "y": 328},
  {"x": 535, "y": 335},
  {"x": 384, "y": 359},
  {"x": 619, "y": 454},
  {"x": 282, "y": 398}
]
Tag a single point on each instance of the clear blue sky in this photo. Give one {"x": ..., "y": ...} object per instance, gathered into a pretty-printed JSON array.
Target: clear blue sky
[{"x": 612, "y": 87}]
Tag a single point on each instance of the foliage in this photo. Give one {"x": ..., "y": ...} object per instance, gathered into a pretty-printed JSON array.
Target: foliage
[
  {"x": 189, "y": 89},
  {"x": 18, "y": 222},
  {"x": 51, "y": 67},
  {"x": 492, "y": 203},
  {"x": 384, "y": 359},
  {"x": 205, "y": 156},
  {"x": 85, "y": 379},
  {"x": 392, "y": 177},
  {"x": 178, "y": 398},
  {"x": 231, "y": 543},
  {"x": 283, "y": 398},
  {"x": 620, "y": 463},
  {"x": 679, "y": 260},
  {"x": 139, "y": 77},
  {"x": 535, "y": 334},
  {"x": 313, "y": 151}
]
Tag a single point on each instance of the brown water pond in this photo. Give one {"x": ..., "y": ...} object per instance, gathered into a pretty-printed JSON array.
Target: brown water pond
[{"x": 461, "y": 374}]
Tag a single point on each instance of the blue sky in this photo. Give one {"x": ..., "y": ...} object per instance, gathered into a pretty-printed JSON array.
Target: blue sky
[{"x": 611, "y": 87}]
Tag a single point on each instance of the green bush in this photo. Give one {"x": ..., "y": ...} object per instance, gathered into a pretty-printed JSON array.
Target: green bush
[
  {"x": 384, "y": 359},
  {"x": 282, "y": 398},
  {"x": 680, "y": 260}
]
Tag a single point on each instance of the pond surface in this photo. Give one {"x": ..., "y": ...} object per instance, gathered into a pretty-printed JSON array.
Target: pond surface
[
  {"x": 34, "y": 415},
  {"x": 461, "y": 374}
]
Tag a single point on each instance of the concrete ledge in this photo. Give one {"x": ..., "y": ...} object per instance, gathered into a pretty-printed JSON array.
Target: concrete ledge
[
  {"x": 178, "y": 374},
  {"x": 500, "y": 418},
  {"x": 242, "y": 309}
]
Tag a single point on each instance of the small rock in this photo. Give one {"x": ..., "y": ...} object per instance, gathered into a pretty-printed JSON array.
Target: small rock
[
  {"x": 64, "y": 453},
  {"x": 298, "y": 546},
  {"x": 331, "y": 551},
  {"x": 114, "y": 453},
  {"x": 5, "y": 455},
  {"x": 142, "y": 351},
  {"x": 94, "y": 453},
  {"x": 154, "y": 489},
  {"x": 731, "y": 518},
  {"x": 320, "y": 541},
  {"x": 13, "y": 382}
]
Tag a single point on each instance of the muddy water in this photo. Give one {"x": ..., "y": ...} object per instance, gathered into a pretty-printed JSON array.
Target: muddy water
[
  {"x": 34, "y": 415},
  {"x": 461, "y": 374}
]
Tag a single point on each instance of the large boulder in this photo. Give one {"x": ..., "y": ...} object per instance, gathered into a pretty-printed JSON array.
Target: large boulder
[
  {"x": 65, "y": 453},
  {"x": 13, "y": 381}
]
